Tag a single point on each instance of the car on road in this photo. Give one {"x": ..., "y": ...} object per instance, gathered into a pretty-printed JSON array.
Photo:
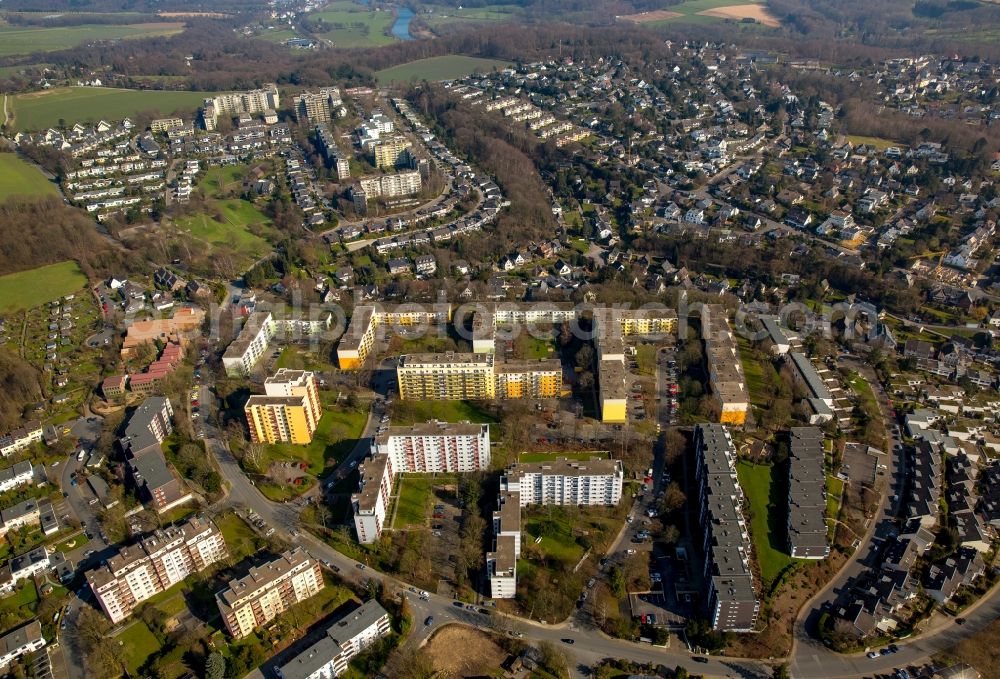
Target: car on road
[
  {"x": 429, "y": 621},
  {"x": 959, "y": 621},
  {"x": 569, "y": 641},
  {"x": 699, "y": 658},
  {"x": 873, "y": 654},
  {"x": 457, "y": 604},
  {"x": 361, "y": 566},
  {"x": 591, "y": 582}
]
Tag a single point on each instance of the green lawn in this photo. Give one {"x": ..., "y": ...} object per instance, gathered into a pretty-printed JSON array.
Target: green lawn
[
  {"x": 44, "y": 109},
  {"x": 20, "y": 178},
  {"x": 73, "y": 543},
  {"x": 834, "y": 491},
  {"x": 411, "y": 412},
  {"x": 238, "y": 215},
  {"x": 416, "y": 493},
  {"x": 137, "y": 643},
  {"x": 302, "y": 358},
  {"x": 445, "y": 14},
  {"x": 25, "y": 596},
  {"x": 548, "y": 457},
  {"x": 557, "y": 539},
  {"x": 878, "y": 142},
  {"x": 439, "y": 68},
  {"x": 239, "y": 537},
  {"x": 338, "y": 430},
  {"x": 222, "y": 178},
  {"x": 32, "y": 288},
  {"x": 768, "y": 518},
  {"x": 351, "y": 25},
  {"x": 755, "y": 375},
  {"x": 30, "y": 39}
]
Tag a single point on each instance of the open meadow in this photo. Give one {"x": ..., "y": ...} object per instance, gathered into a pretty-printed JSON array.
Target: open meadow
[
  {"x": 32, "y": 288},
  {"x": 40, "y": 110},
  {"x": 234, "y": 229},
  {"x": 439, "y": 68},
  {"x": 20, "y": 178},
  {"x": 704, "y": 11},
  {"x": 351, "y": 25},
  {"x": 30, "y": 39}
]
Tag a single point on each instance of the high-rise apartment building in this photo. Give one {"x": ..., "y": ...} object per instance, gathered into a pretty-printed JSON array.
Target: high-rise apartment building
[
  {"x": 288, "y": 412},
  {"x": 341, "y": 641},
  {"x": 391, "y": 185},
  {"x": 155, "y": 563},
  {"x": 448, "y": 376},
  {"x": 391, "y": 152},
  {"x": 807, "y": 529},
  {"x": 235, "y": 103},
  {"x": 596, "y": 482},
  {"x": 316, "y": 107},
  {"x": 268, "y": 591},
  {"x": 731, "y": 601},
  {"x": 420, "y": 448},
  {"x": 529, "y": 379},
  {"x": 725, "y": 371}
]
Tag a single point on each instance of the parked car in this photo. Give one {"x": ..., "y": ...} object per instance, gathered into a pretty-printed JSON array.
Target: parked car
[{"x": 429, "y": 621}]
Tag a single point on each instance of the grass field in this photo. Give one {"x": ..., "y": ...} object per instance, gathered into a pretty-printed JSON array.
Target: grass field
[
  {"x": 335, "y": 436},
  {"x": 416, "y": 494},
  {"x": 878, "y": 142},
  {"x": 439, "y": 68},
  {"x": 41, "y": 110},
  {"x": 767, "y": 523},
  {"x": 137, "y": 644},
  {"x": 73, "y": 543},
  {"x": 32, "y": 288},
  {"x": 30, "y": 39},
  {"x": 351, "y": 25},
  {"x": 238, "y": 215},
  {"x": 411, "y": 412},
  {"x": 449, "y": 15},
  {"x": 20, "y": 178}
]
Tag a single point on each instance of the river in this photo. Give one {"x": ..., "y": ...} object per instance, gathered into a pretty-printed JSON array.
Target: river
[{"x": 401, "y": 27}]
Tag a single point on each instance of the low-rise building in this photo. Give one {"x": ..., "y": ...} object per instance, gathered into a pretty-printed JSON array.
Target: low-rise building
[
  {"x": 21, "y": 474},
  {"x": 20, "y": 642},
  {"x": 20, "y": 438}
]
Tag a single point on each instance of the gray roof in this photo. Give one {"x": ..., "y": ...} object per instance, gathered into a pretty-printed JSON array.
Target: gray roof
[
  {"x": 337, "y": 635},
  {"x": 811, "y": 377},
  {"x": 152, "y": 469}
]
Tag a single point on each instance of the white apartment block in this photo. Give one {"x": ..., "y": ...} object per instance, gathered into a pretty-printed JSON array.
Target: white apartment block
[
  {"x": 436, "y": 447},
  {"x": 391, "y": 185},
  {"x": 501, "y": 563},
  {"x": 420, "y": 448},
  {"x": 260, "y": 328},
  {"x": 23, "y": 567},
  {"x": 156, "y": 563},
  {"x": 254, "y": 101},
  {"x": 565, "y": 482},
  {"x": 268, "y": 591},
  {"x": 21, "y": 474},
  {"x": 20, "y": 642},
  {"x": 343, "y": 640}
]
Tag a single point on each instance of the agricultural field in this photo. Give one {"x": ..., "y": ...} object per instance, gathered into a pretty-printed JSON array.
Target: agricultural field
[
  {"x": 20, "y": 178},
  {"x": 41, "y": 110},
  {"x": 704, "y": 11},
  {"x": 35, "y": 287},
  {"x": 351, "y": 25},
  {"x": 29, "y": 39},
  {"x": 450, "y": 15},
  {"x": 439, "y": 68}
]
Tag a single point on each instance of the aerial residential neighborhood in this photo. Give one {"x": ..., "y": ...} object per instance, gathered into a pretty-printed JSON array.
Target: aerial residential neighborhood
[{"x": 544, "y": 340}]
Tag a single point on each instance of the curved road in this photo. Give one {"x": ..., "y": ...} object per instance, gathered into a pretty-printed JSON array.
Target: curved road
[{"x": 809, "y": 658}]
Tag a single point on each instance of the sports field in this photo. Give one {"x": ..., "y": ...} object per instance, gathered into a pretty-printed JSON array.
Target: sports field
[
  {"x": 20, "y": 178},
  {"x": 351, "y": 25},
  {"x": 439, "y": 68},
  {"x": 28, "y": 289},
  {"x": 41, "y": 110},
  {"x": 30, "y": 39}
]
